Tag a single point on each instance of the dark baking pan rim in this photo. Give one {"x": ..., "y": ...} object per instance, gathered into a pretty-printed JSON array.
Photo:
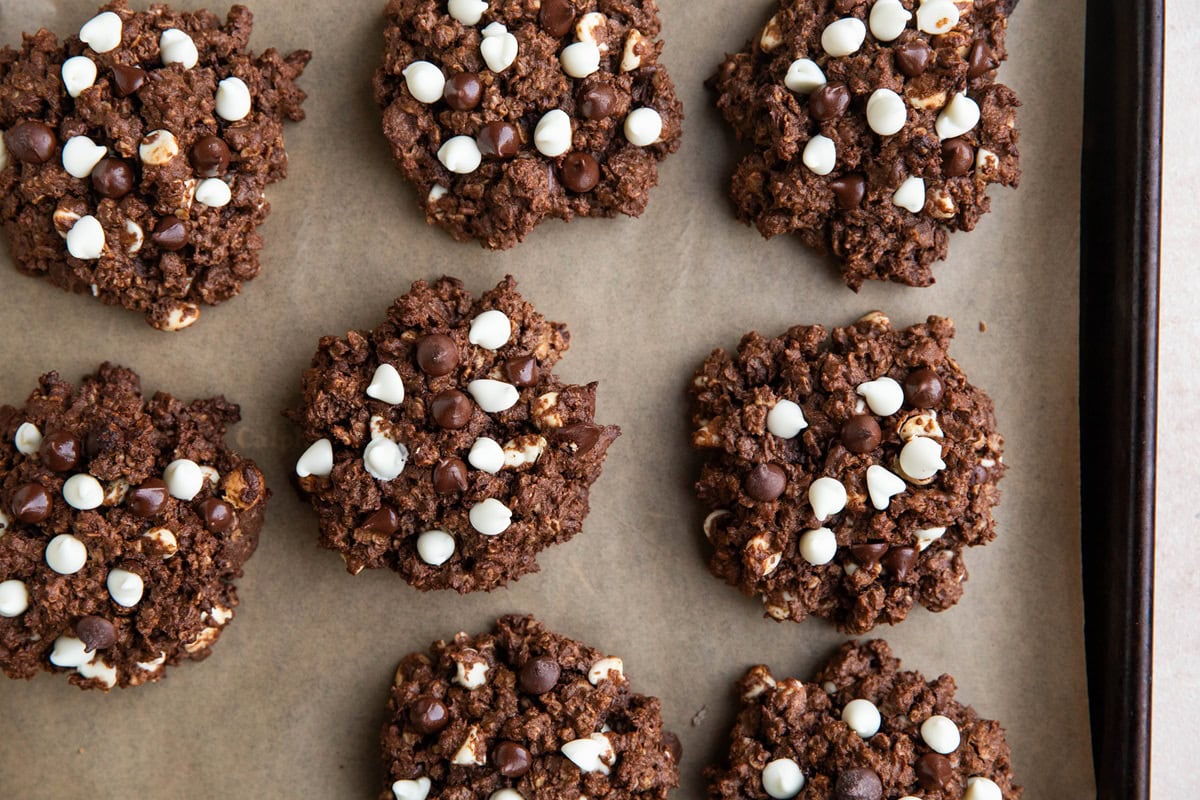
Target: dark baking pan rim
[{"x": 1118, "y": 370}]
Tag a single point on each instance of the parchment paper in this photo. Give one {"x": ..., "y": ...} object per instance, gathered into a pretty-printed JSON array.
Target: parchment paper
[{"x": 291, "y": 701}]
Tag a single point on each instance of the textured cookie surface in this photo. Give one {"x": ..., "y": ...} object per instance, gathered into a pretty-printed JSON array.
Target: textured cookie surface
[
  {"x": 863, "y": 729},
  {"x": 441, "y": 444},
  {"x": 508, "y": 112},
  {"x": 124, "y": 522},
  {"x": 873, "y": 128},
  {"x": 845, "y": 473},
  {"x": 522, "y": 714},
  {"x": 134, "y": 168}
]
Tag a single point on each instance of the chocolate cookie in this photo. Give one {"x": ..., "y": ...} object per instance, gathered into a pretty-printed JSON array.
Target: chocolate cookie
[
  {"x": 523, "y": 713},
  {"x": 441, "y": 444},
  {"x": 124, "y": 522},
  {"x": 874, "y": 128},
  {"x": 862, "y": 730},
  {"x": 136, "y": 155},
  {"x": 503, "y": 114},
  {"x": 846, "y": 473}
]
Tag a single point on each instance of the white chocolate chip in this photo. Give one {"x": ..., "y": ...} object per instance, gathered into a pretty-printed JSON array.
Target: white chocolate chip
[
  {"x": 827, "y": 496},
  {"x": 71, "y": 653},
  {"x": 630, "y": 60},
  {"x": 151, "y": 666},
  {"x": 786, "y": 420},
  {"x": 85, "y": 240},
  {"x": 473, "y": 751},
  {"x": 886, "y": 113},
  {"x": 921, "y": 458},
  {"x": 843, "y": 37},
  {"x": 176, "y": 47},
  {"x": 493, "y": 396},
  {"x": 959, "y": 116},
  {"x": 135, "y": 237},
  {"x": 643, "y": 127},
  {"x": 927, "y": 536},
  {"x": 580, "y": 59},
  {"x": 758, "y": 556},
  {"x": 80, "y": 155},
  {"x": 941, "y": 734},
  {"x": 511, "y": 794},
  {"x": 487, "y": 455},
  {"x": 384, "y": 459},
  {"x": 545, "y": 413},
  {"x": 490, "y": 517},
  {"x": 317, "y": 460},
  {"x": 818, "y": 546},
  {"x": 593, "y": 754},
  {"x": 804, "y": 76},
  {"x": 782, "y": 779},
  {"x": 437, "y": 193},
  {"x": 65, "y": 554},
  {"x": 213, "y": 192},
  {"x": 490, "y": 330},
  {"x": 771, "y": 36},
  {"x": 380, "y": 428},
  {"x": 757, "y": 681},
  {"x": 888, "y": 20},
  {"x": 468, "y": 12},
  {"x": 943, "y": 204},
  {"x": 162, "y": 540},
  {"x": 470, "y": 676},
  {"x": 233, "y": 99},
  {"x": 498, "y": 48},
  {"x": 125, "y": 587},
  {"x": 83, "y": 492},
  {"x": 820, "y": 155},
  {"x": 211, "y": 475},
  {"x": 158, "y": 147},
  {"x": 920, "y": 423},
  {"x": 425, "y": 81},
  {"x": 601, "y": 669},
  {"x": 885, "y": 396},
  {"x": 987, "y": 163},
  {"x": 3, "y": 521},
  {"x": 460, "y": 154},
  {"x": 182, "y": 316},
  {"x": 591, "y": 28},
  {"x": 526, "y": 450},
  {"x": 435, "y": 547},
  {"x": 911, "y": 195},
  {"x": 552, "y": 136},
  {"x": 711, "y": 520},
  {"x": 78, "y": 73},
  {"x": 863, "y": 717},
  {"x": 928, "y": 102},
  {"x": 412, "y": 790},
  {"x": 27, "y": 439},
  {"x": 882, "y": 486},
  {"x": 937, "y": 16},
  {"x": 980, "y": 788},
  {"x": 14, "y": 598},
  {"x": 184, "y": 479},
  {"x": 102, "y": 32},
  {"x": 64, "y": 219},
  {"x": 386, "y": 385}
]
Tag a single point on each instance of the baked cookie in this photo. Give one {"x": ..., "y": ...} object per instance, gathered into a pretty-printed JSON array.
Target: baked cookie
[
  {"x": 123, "y": 526},
  {"x": 136, "y": 155},
  {"x": 442, "y": 446},
  {"x": 508, "y": 112},
  {"x": 862, "y": 730},
  {"x": 523, "y": 713},
  {"x": 846, "y": 473},
  {"x": 874, "y": 128}
]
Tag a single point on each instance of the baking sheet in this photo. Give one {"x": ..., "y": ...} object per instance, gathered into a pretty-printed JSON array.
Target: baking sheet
[{"x": 290, "y": 703}]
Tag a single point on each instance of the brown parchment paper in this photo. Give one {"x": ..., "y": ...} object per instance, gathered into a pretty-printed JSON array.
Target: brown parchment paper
[{"x": 290, "y": 703}]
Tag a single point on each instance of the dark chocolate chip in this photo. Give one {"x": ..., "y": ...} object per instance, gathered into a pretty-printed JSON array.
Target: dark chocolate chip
[
  {"x": 31, "y": 503},
  {"x": 912, "y": 58},
  {"x": 861, "y": 434},
  {"x": 101, "y": 440},
  {"x": 210, "y": 156},
  {"x": 428, "y": 715},
  {"x": 170, "y": 234},
  {"x": 598, "y": 102},
  {"x": 765, "y": 482},
  {"x": 673, "y": 746},
  {"x": 539, "y": 675},
  {"x": 981, "y": 59},
  {"x": 149, "y": 498},
  {"x": 867, "y": 554},
  {"x": 127, "y": 80},
  {"x": 450, "y": 476},
  {"x": 113, "y": 178},
  {"x": 934, "y": 772},
  {"x": 437, "y": 354},
  {"x": 583, "y": 435},
  {"x": 556, "y": 17},
  {"x": 858, "y": 784},
  {"x": 463, "y": 91},
  {"x": 499, "y": 140},
  {"x": 957, "y": 158},
  {"x": 384, "y": 521},
  {"x": 900, "y": 561},
  {"x": 849, "y": 191},
  {"x": 96, "y": 633},
  {"x": 451, "y": 409},
  {"x": 522, "y": 371},
  {"x": 580, "y": 172},
  {"x": 31, "y": 142},
  {"x": 218, "y": 515},
  {"x": 923, "y": 388},
  {"x": 511, "y": 759},
  {"x": 60, "y": 451},
  {"x": 829, "y": 102}
]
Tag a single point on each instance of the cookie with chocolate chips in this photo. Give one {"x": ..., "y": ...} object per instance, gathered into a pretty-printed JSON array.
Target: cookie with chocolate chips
[
  {"x": 135, "y": 155},
  {"x": 872, "y": 128},
  {"x": 863, "y": 729},
  {"x": 124, "y": 521},
  {"x": 442, "y": 446},
  {"x": 522, "y": 713},
  {"x": 503, "y": 114},
  {"x": 844, "y": 474}
]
